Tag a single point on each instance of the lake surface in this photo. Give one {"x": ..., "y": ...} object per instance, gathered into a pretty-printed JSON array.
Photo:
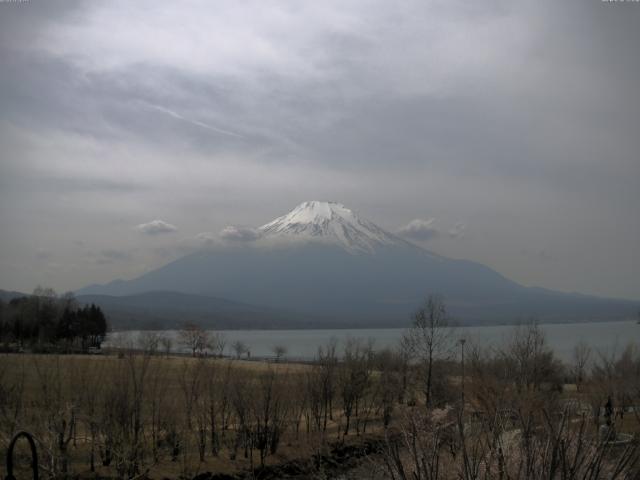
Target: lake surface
[{"x": 605, "y": 337}]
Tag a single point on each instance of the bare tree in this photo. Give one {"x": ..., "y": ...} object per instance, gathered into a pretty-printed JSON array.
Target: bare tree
[
  {"x": 354, "y": 377},
  {"x": 414, "y": 452},
  {"x": 581, "y": 356},
  {"x": 532, "y": 360},
  {"x": 279, "y": 351},
  {"x": 217, "y": 344},
  {"x": 157, "y": 401},
  {"x": 390, "y": 366},
  {"x": 166, "y": 342},
  {"x": 616, "y": 376},
  {"x": 327, "y": 360},
  {"x": 429, "y": 338},
  {"x": 269, "y": 412},
  {"x": 212, "y": 409},
  {"x": 239, "y": 348},
  {"x": 59, "y": 416},
  {"x": 547, "y": 442},
  {"x": 12, "y": 399},
  {"x": 89, "y": 378},
  {"x": 149, "y": 342},
  {"x": 403, "y": 356},
  {"x": 194, "y": 338},
  {"x": 299, "y": 400}
]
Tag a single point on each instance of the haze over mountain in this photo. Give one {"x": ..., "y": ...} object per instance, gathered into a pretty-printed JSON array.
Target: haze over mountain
[{"x": 323, "y": 261}]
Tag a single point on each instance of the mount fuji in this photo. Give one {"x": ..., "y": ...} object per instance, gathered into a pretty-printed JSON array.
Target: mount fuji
[
  {"x": 324, "y": 263},
  {"x": 329, "y": 223}
]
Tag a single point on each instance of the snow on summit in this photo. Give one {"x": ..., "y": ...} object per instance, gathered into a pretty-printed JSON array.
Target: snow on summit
[{"x": 329, "y": 222}]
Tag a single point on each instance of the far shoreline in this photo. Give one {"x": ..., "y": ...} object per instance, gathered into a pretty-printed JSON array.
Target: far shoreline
[{"x": 384, "y": 327}]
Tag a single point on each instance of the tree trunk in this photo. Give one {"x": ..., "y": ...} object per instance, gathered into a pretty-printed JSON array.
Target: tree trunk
[{"x": 429, "y": 371}]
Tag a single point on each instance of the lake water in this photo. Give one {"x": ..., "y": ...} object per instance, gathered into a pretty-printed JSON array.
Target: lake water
[{"x": 605, "y": 337}]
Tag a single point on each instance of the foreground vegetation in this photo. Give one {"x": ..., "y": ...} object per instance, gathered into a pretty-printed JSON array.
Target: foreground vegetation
[{"x": 420, "y": 411}]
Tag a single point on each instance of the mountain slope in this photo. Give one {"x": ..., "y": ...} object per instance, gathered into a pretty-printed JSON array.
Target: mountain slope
[
  {"x": 161, "y": 309},
  {"x": 7, "y": 295},
  {"x": 321, "y": 259}
]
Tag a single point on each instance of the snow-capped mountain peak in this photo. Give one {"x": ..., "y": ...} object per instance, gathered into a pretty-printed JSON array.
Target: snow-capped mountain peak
[{"x": 329, "y": 222}]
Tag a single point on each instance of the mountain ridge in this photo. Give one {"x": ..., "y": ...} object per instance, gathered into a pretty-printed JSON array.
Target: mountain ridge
[{"x": 325, "y": 262}]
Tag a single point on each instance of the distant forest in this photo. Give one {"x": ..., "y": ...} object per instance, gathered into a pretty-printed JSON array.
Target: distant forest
[{"x": 45, "y": 321}]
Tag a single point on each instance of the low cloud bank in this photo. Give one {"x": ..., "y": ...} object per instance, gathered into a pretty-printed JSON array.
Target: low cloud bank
[
  {"x": 156, "y": 227},
  {"x": 234, "y": 233},
  {"x": 419, "y": 229}
]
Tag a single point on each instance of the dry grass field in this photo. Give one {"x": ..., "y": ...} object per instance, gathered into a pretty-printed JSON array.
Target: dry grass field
[
  {"x": 140, "y": 414},
  {"x": 163, "y": 408}
]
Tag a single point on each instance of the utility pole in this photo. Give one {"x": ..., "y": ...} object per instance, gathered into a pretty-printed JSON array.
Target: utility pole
[{"x": 462, "y": 342}]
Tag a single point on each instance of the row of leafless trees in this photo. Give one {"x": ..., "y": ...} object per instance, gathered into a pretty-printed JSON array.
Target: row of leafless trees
[
  {"x": 125, "y": 414},
  {"x": 554, "y": 446},
  {"x": 505, "y": 414},
  {"x": 192, "y": 338},
  {"x": 520, "y": 414}
]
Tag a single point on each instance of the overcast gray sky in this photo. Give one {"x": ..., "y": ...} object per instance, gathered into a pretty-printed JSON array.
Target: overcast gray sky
[{"x": 503, "y": 132}]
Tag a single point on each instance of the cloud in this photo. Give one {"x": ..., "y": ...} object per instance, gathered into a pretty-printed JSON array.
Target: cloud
[
  {"x": 235, "y": 233},
  {"x": 541, "y": 256},
  {"x": 508, "y": 111},
  {"x": 193, "y": 122},
  {"x": 421, "y": 230},
  {"x": 206, "y": 237},
  {"x": 425, "y": 230},
  {"x": 203, "y": 240},
  {"x": 109, "y": 255},
  {"x": 43, "y": 254},
  {"x": 156, "y": 227},
  {"x": 457, "y": 231}
]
